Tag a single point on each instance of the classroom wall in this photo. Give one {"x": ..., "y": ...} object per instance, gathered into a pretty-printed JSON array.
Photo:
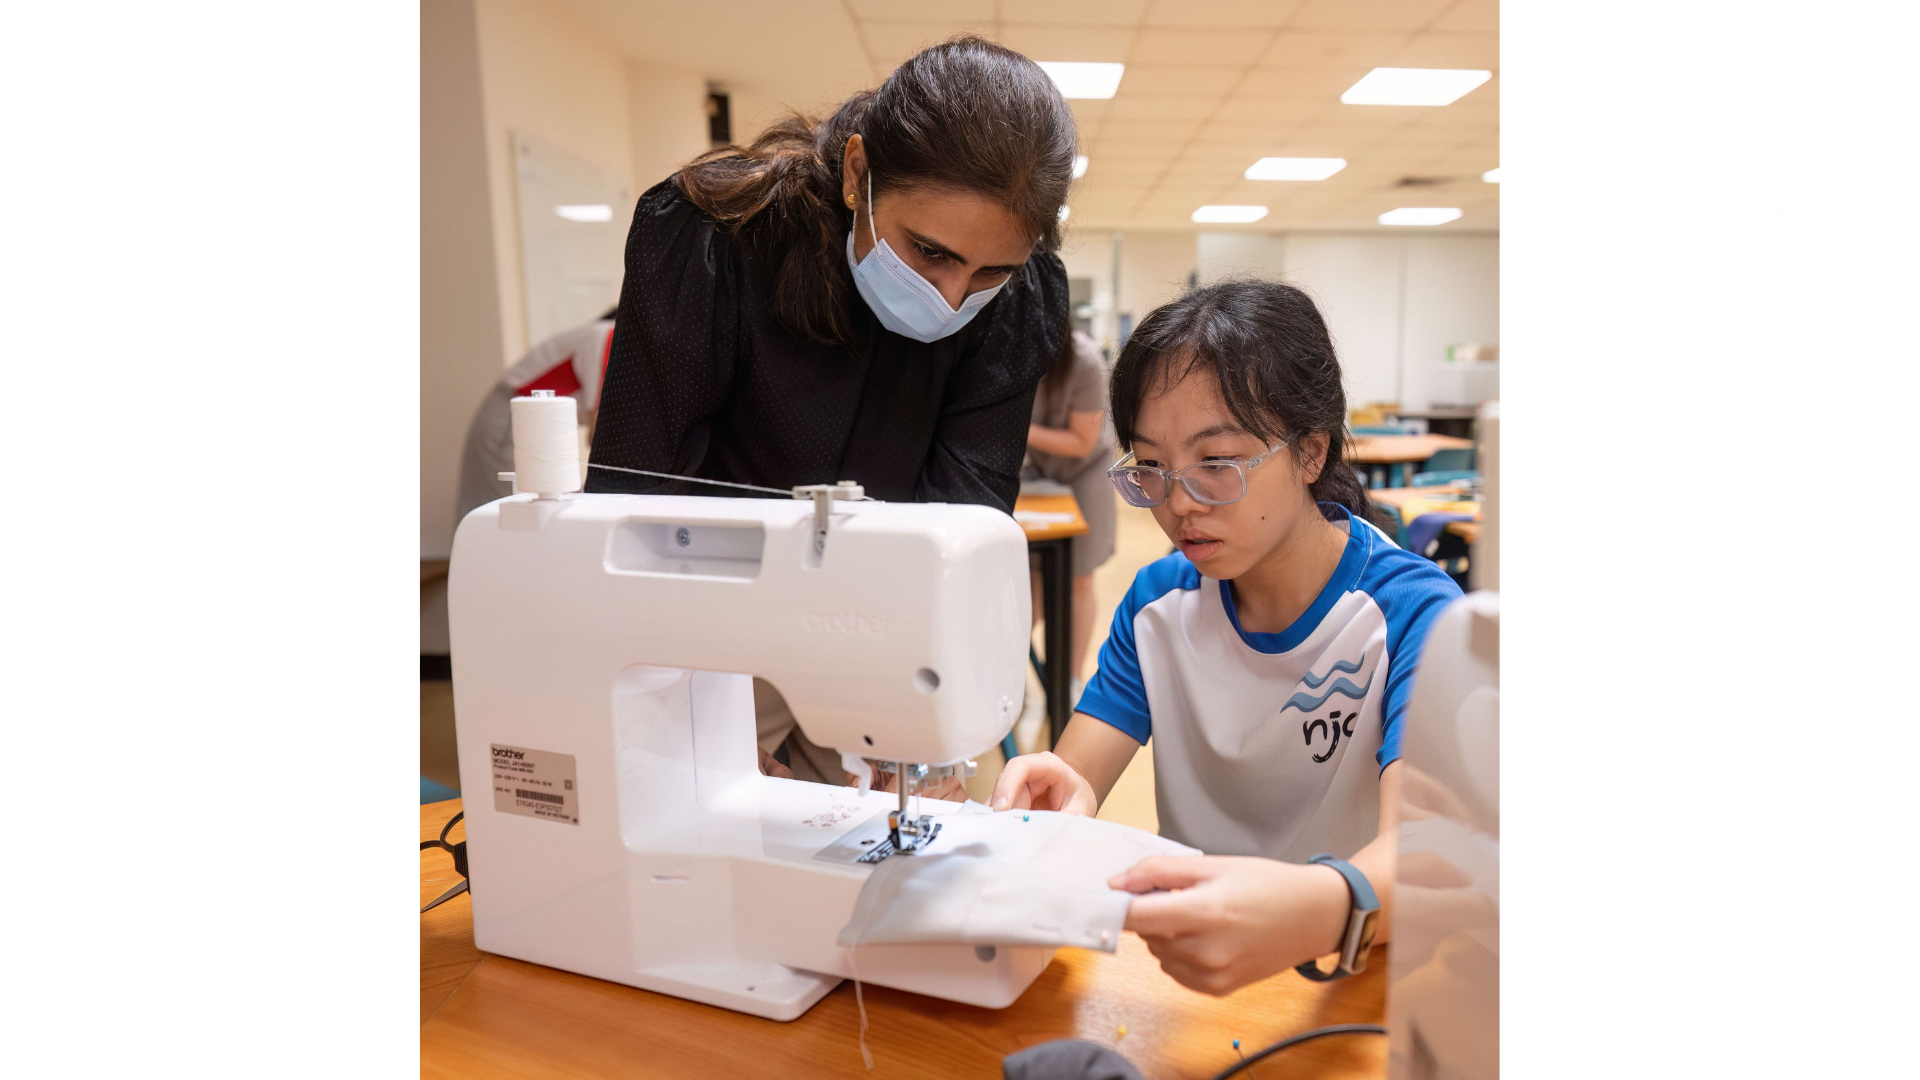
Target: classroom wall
[
  {"x": 543, "y": 74},
  {"x": 667, "y": 121},
  {"x": 1393, "y": 302},
  {"x": 1153, "y": 269},
  {"x": 460, "y": 324}
]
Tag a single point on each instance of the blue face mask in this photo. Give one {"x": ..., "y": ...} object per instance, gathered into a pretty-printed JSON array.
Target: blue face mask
[{"x": 905, "y": 302}]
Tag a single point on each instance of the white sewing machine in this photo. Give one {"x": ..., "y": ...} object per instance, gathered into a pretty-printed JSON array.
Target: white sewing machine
[{"x": 617, "y": 821}]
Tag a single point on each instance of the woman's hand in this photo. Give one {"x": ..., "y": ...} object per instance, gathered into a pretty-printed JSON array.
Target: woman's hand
[
  {"x": 1232, "y": 920},
  {"x": 1044, "y": 782}
]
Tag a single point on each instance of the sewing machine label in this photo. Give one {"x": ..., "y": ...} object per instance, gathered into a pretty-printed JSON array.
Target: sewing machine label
[{"x": 535, "y": 783}]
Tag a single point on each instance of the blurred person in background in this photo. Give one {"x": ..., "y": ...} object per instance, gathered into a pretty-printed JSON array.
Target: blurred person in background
[
  {"x": 570, "y": 363},
  {"x": 871, "y": 297},
  {"x": 1071, "y": 442}
]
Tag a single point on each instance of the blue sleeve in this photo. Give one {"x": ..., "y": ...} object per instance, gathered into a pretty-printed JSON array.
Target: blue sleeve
[
  {"x": 1117, "y": 693},
  {"x": 1411, "y": 600}
]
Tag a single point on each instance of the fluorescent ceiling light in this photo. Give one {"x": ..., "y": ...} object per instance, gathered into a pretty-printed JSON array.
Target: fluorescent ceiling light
[
  {"x": 1295, "y": 168},
  {"x": 1063, "y": 213},
  {"x": 1078, "y": 80},
  {"x": 586, "y": 212},
  {"x": 1079, "y": 166},
  {"x": 1491, "y": 176},
  {"x": 1229, "y": 215},
  {"x": 1421, "y": 215},
  {"x": 1413, "y": 86}
]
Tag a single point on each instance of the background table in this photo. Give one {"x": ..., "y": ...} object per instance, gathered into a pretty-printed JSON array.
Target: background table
[
  {"x": 1053, "y": 543},
  {"x": 484, "y": 1016},
  {"x": 1440, "y": 421},
  {"x": 1400, "y": 451}
]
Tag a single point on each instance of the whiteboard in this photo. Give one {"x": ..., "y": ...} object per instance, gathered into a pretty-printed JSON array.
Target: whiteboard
[{"x": 573, "y": 230}]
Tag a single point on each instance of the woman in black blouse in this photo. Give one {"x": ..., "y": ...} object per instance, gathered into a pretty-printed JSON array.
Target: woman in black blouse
[{"x": 750, "y": 349}]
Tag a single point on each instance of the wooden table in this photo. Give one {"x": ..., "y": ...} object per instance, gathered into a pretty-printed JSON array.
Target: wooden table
[
  {"x": 484, "y": 1016},
  {"x": 1053, "y": 543},
  {"x": 1465, "y": 530},
  {"x": 1400, "y": 451}
]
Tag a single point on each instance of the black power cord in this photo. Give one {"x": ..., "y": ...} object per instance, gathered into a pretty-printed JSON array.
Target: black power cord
[
  {"x": 459, "y": 853},
  {"x": 1335, "y": 1029}
]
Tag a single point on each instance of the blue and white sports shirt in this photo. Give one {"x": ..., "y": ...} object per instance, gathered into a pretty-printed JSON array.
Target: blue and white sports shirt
[{"x": 1271, "y": 744}]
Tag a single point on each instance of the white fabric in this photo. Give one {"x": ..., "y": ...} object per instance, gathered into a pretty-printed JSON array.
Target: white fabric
[{"x": 1017, "y": 877}]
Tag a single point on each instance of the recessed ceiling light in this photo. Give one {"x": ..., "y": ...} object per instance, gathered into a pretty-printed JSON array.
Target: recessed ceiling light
[
  {"x": 1229, "y": 215},
  {"x": 1295, "y": 168},
  {"x": 1064, "y": 212},
  {"x": 586, "y": 212},
  {"x": 1080, "y": 80},
  {"x": 1413, "y": 86},
  {"x": 1079, "y": 166},
  {"x": 1491, "y": 176},
  {"x": 1421, "y": 215}
]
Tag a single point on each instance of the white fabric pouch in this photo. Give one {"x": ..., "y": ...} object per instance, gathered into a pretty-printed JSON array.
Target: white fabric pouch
[{"x": 1017, "y": 877}]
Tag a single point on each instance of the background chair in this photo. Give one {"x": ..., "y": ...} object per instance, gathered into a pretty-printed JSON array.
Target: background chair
[
  {"x": 1394, "y": 527},
  {"x": 1450, "y": 461}
]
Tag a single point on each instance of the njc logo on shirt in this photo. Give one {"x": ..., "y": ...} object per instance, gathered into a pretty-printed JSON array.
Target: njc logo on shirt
[{"x": 1337, "y": 724}]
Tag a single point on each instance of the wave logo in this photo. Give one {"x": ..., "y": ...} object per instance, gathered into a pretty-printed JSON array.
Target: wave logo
[
  {"x": 844, "y": 622},
  {"x": 1307, "y": 701},
  {"x": 1320, "y": 688}
]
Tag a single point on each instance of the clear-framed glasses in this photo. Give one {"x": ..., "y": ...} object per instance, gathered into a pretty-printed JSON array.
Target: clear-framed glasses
[{"x": 1215, "y": 483}]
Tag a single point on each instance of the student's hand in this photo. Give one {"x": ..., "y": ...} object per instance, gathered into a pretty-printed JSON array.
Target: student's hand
[
  {"x": 770, "y": 766},
  {"x": 1230, "y": 920},
  {"x": 1044, "y": 782}
]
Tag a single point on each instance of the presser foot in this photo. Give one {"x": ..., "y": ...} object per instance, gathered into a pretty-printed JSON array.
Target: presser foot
[{"x": 909, "y": 834}]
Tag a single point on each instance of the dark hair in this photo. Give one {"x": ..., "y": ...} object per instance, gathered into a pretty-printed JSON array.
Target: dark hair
[
  {"x": 1274, "y": 358},
  {"x": 965, "y": 114}
]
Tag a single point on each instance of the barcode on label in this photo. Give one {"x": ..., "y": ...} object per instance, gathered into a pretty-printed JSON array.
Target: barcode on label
[{"x": 539, "y": 796}]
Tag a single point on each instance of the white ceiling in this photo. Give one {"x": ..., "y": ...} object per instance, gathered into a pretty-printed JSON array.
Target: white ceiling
[{"x": 1211, "y": 86}]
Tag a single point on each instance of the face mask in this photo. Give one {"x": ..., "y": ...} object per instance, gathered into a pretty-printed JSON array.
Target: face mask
[{"x": 905, "y": 302}]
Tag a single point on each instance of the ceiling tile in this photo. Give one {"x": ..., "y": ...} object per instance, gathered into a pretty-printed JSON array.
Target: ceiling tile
[
  {"x": 1265, "y": 14},
  {"x": 1210, "y": 47},
  {"x": 1269, "y": 112},
  {"x": 1074, "y": 12},
  {"x": 1476, "y": 15},
  {"x": 1088, "y": 112},
  {"x": 892, "y": 42},
  {"x": 1448, "y": 51},
  {"x": 1167, "y": 133},
  {"x": 1163, "y": 108},
  {"x": 1106, "y": 171},
  {"x": 1363, "y": 50},
  {"x": 924, "y": 9},
  {"x": 1318, "y": 85},
  {"x": 1368, "y": 14},
  {"x": 1099, "y": 44},
  {"x": 1173, "y": 81},
  {"x": 1108, "y": 150}
]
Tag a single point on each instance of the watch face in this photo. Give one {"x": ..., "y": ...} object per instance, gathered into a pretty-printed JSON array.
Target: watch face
[{"x": 1366, "y": 940}]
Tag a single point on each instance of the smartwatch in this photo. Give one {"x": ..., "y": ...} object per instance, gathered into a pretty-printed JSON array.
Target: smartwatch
[{"x": 1358, "y": 940}]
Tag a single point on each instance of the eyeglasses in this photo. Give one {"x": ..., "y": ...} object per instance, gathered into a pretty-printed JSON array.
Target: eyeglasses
[{"x": 1215, "y": 483}]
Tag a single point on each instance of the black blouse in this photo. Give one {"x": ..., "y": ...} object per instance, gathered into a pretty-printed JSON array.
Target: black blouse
[{"x": 703, "y": 381}]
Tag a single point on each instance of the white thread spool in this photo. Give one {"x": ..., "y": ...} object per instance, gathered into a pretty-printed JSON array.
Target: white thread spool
[{"x": 546, "y": 444}]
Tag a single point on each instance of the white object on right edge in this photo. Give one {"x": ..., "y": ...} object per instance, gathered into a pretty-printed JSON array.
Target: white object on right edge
[{"x": 1016, "y": 877}]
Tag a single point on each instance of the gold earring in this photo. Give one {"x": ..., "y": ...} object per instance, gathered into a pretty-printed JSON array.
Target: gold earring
[{"x": 850, "y": 202}]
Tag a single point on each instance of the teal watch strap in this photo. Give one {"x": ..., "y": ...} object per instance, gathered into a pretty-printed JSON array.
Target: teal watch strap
[{"x": 1358, "y": 940}]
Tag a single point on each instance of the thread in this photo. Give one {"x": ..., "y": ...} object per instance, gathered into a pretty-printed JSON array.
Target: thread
[{"x": 546, "y": 444}]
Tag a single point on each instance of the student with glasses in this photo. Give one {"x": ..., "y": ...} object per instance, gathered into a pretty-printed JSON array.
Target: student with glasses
[{"x": 1270, "y": 657}]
